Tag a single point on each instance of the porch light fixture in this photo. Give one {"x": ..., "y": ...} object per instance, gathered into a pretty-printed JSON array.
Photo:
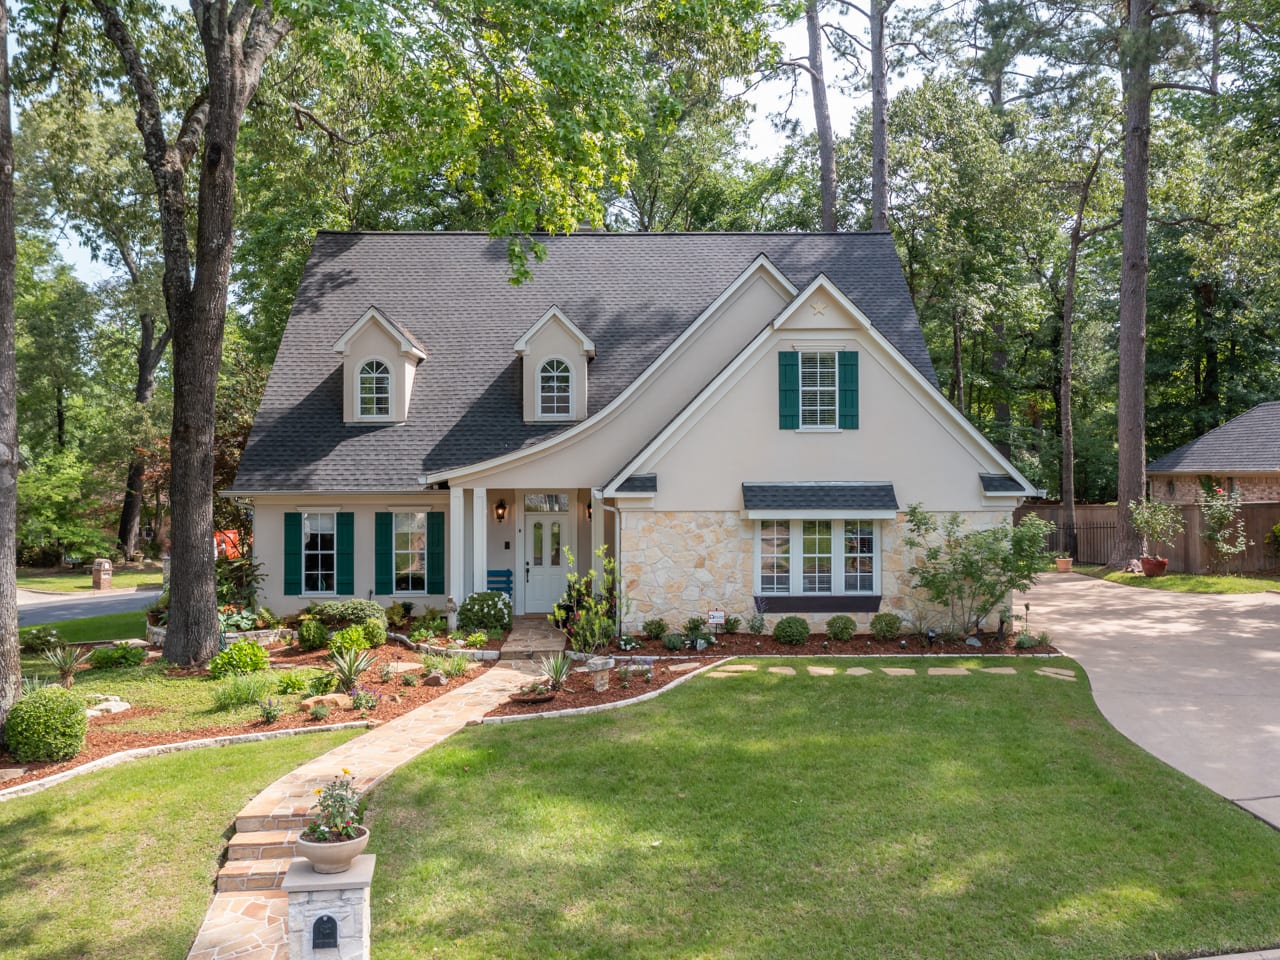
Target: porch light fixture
[{"x": 500, "y": 511}]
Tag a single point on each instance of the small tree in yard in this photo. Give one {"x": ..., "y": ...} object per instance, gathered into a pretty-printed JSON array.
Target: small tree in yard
[
  {"x": 1222, "y": 527},
  {"x": 1156, "y": 522},
  {"x": 970, "y": 573}
]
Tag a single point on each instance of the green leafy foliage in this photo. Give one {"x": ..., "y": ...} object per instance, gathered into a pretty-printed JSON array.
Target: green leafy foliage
[
  {"x": 66, "y": 660},
  {"x": 557, "y": 667},
  {"x": 969, "y": 573},
  {"x": 291, "y": 682},
  {"x": 334, "y": 612},
  {"x": 244, "y": 656},
  {"x": 655, "y": 628},
  {"x": 270, "y": 709},
  {"x": 241, "y": 689},
  {"x": 841, "y": 627},
  {"x": 312, "y": 634},
  {"x": 39, "y": 639},
  {"x": 732, "y": 624},
  {"x": 113, "y": 658},
  {"x": 756, "y": 623},
  {"x": 46, "y": 725},
  {"x": 1156, "y": 522},
  {"x": 321, "y": 684},
  {"x": 791, "y": 630},
  {"x": 886, "y": 626},
  {"x": 375, "y": 631},
  {"x": 347, "y": 640},
  {"x": 673, "y": 641},
  {"x": 486, "y": 610},
  {"x": 587, "y": 616},
  {"x": 238, "y": 579},
  {"x": 1222, "y": 526},
  {"x": 348, "y": 665}
]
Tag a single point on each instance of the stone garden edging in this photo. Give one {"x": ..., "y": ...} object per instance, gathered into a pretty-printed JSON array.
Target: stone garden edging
[
  {"x": 139, "y": 753},
  {"x": 155, "y": 635},
  {"x": 601, "y": 707}
]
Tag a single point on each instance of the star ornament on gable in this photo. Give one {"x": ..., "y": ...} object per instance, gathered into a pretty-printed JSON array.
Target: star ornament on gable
[{"x": 819, "y": 308}]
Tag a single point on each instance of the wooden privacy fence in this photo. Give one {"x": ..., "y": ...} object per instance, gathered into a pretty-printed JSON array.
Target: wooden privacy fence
[{"x": 1096, "y": 536}]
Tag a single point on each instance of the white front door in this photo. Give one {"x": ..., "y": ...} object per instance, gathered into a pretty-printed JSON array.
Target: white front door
[{"x": 547, "y": 532}]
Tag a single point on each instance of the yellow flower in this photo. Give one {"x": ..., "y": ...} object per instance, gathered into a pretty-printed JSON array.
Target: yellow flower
[
  {"x": 319, "y": 790},
  {"x": 346, "y": 771}
]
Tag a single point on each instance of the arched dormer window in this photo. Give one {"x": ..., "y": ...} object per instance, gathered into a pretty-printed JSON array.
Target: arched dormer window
[
  {"x": 554, "y": 389},
  {"x": 375, "y": 389}
]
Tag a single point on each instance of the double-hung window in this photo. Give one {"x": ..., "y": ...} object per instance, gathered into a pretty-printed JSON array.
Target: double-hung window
[
  {"x": 375, "y": 389},
  {"x": 319, "y": 553},
  {"x": 818, "y": 390},
  {"x": 409, "y": 553},
  {"x": 832, "y": 557}
]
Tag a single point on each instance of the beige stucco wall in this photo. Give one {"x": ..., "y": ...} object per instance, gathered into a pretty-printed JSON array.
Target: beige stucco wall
[
  {"x": 592, "y": 457},
  {"x": 554, "y": 340},
  {"x": 681, "y": 564},
  {"x": 905, "y": 436},
  {"x": 1252, "y": 487},
  {"x": 373, "y": 342},
  {"x": 268, "y": 543}
]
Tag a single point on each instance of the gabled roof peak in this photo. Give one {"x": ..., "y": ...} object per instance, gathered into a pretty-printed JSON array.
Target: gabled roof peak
[
  {"x": 555, "y": 315},
  {"x": 406, "y": 341}
]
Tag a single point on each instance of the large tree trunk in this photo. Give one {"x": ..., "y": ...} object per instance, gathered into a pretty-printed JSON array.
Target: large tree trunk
[
  {"x": 822, "y": 118},
  {"x": 10, "y": 668},
  {"x": 1131, "y": 403},
  {"x": 879, "y": 118}
]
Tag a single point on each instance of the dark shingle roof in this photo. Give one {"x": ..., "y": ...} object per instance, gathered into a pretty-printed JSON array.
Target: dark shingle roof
[
  {"x": 819, "y": 496},
  {"x": 632, "y": 294},
  {"x": 1000, "y": 483},
  {"x": 639, "y": 483},
  {"x": 1249, "y": 443}
]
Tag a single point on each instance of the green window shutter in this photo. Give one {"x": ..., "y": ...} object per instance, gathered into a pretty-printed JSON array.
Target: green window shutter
[
  {"x": 384, "y": 574},
  {"x": 292, "y": 554},
  {"x": 788, "y": 390},
  {"x": 847, "y": 369},
  {"x": 345, "y": 578},
  {"x": 435, "y": 552}
]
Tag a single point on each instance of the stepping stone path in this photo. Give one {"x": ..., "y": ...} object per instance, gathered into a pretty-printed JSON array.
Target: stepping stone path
[
  {"x": 402, "y": 667},
  {"x": 898, "y": 671},
  {"x": 684, "y": 667},
  {"x": 948, "y": 672},
  {"x": 1056, "y": 673},
  {"x": 725, "y": 673},
  {"x": 1003, "y": 671},
  {"x": 822, "y": 671},
  {"x": 739, "y": 668},
  {"x": 857, "y": 671},
  {"x": 247, "y": 917},
  {"x": 785, "y": 671}
]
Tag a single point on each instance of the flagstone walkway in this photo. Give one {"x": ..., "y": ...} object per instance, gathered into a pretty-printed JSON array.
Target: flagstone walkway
[{"x": 246, "y": 919}]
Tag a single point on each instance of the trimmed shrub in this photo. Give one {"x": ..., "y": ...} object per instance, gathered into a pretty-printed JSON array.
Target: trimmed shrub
[
  {"x": 375, "y": 632},
  {"x": 673, "y": 641},
  {"x": 487, "y": 610},
  {"x": 841, "y": 627},
  {"x": 46, "y": 725},
  {"x": 732, "y": 624},
  {"x": 352, "y": 638},
  {"x": 791, "y": 630},
  {"x": 312, "y": 634},
  {"x": 655, "y": 628},
  {"x": 695, "y": 627},
  {"x": 886, "y": 626},
  {"x": 111, "y": 658},
  {"x": 243, "y": 656},
  {"x": 756, "y": 623},
  {"x": 400, "y": 613},
  {"x": 333, "y": 612}
]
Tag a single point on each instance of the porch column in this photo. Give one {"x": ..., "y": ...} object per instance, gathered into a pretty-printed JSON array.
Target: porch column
[
  {"x": 597, "y": 534},
  {"x": 480, "y": 538},
  {"x": 456, "y": 587}
]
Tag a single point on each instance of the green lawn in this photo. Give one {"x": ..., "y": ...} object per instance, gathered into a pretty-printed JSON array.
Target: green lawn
[
  {"x": 761, "y": 816},
  {"x": 187, "y": 702},
  {"x": 108, "y": 626},
  {"x": 82, "y": 580},
  {"x": 1185, "y": 582},
  {"x": 121, "y": 863}
]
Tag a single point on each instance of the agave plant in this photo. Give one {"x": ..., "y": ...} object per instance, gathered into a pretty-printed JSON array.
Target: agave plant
[
  {"x": 66, "y": 659},
  {"x": 348, "y": 665},
  {"x": 557, "y": 668}
]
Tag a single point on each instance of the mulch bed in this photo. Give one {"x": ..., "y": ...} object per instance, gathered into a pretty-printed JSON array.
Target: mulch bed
[
  {"x": 579, "y": 691},
  {"x": 819, "y": 644},
  {"x": 102, "y": 739}
]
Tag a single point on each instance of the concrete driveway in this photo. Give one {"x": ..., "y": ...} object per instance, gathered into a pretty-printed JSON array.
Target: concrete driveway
[
  {"x": 1192, "y": 678},
  {"x": 35, "y": 607}
]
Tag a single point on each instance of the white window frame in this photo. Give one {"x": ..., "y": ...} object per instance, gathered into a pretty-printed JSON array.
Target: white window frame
[
  {"x": 796, "y": 555},
  {"x": 374, "y": 394},
  {"x": 820, "y": 392},
  {"x": 543, "y": 412},
  {"x": 307, "y": 516},
  {"x": 760, "y": 556},
  {"x": 396, "y": 553}
]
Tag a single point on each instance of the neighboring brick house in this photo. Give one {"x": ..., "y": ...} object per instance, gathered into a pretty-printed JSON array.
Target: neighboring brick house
[
  {"x": 1242, "y": 455},
  {"x": 739, "y": 418}
]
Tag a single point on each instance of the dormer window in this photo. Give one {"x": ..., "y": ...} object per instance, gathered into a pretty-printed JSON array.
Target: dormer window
[
  {"x": 555, "y": 382},
  {"x": 375, "y": 389}
]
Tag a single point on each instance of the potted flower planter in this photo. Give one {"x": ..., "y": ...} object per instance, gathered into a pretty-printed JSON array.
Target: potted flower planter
[
  {"x": 1154, "y": 566},
  {"x": 1064, "y": 564},
  {"x": 333, "y": 856}
]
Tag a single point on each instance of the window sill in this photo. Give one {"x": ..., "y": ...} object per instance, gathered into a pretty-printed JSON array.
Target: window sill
[
  {"x": 817, "y": 603},
  {"x": 819, "y": 430}
]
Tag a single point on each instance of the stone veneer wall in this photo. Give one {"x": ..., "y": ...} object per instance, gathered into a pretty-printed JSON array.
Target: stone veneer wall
[
  {"x": 1254, "y": 488},
  {"x": 677, "y": 565}
]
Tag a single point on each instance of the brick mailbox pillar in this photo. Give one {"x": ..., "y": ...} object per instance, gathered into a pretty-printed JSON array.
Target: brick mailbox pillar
[
  {"x": 329, "y": 912},
  {"x": 102, "y": 574}
]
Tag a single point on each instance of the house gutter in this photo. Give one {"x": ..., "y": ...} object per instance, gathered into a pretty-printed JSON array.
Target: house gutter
[{"x": 617, "y": 549}]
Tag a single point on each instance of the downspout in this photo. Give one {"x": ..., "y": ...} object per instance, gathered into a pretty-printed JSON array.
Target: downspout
[{"x": 617, "y": 557}]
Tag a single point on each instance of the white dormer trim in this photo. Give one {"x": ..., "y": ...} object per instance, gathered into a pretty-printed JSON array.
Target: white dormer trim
[
  {"x": 406, "y": 346},
  {"x": 522, "y": 345}
]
